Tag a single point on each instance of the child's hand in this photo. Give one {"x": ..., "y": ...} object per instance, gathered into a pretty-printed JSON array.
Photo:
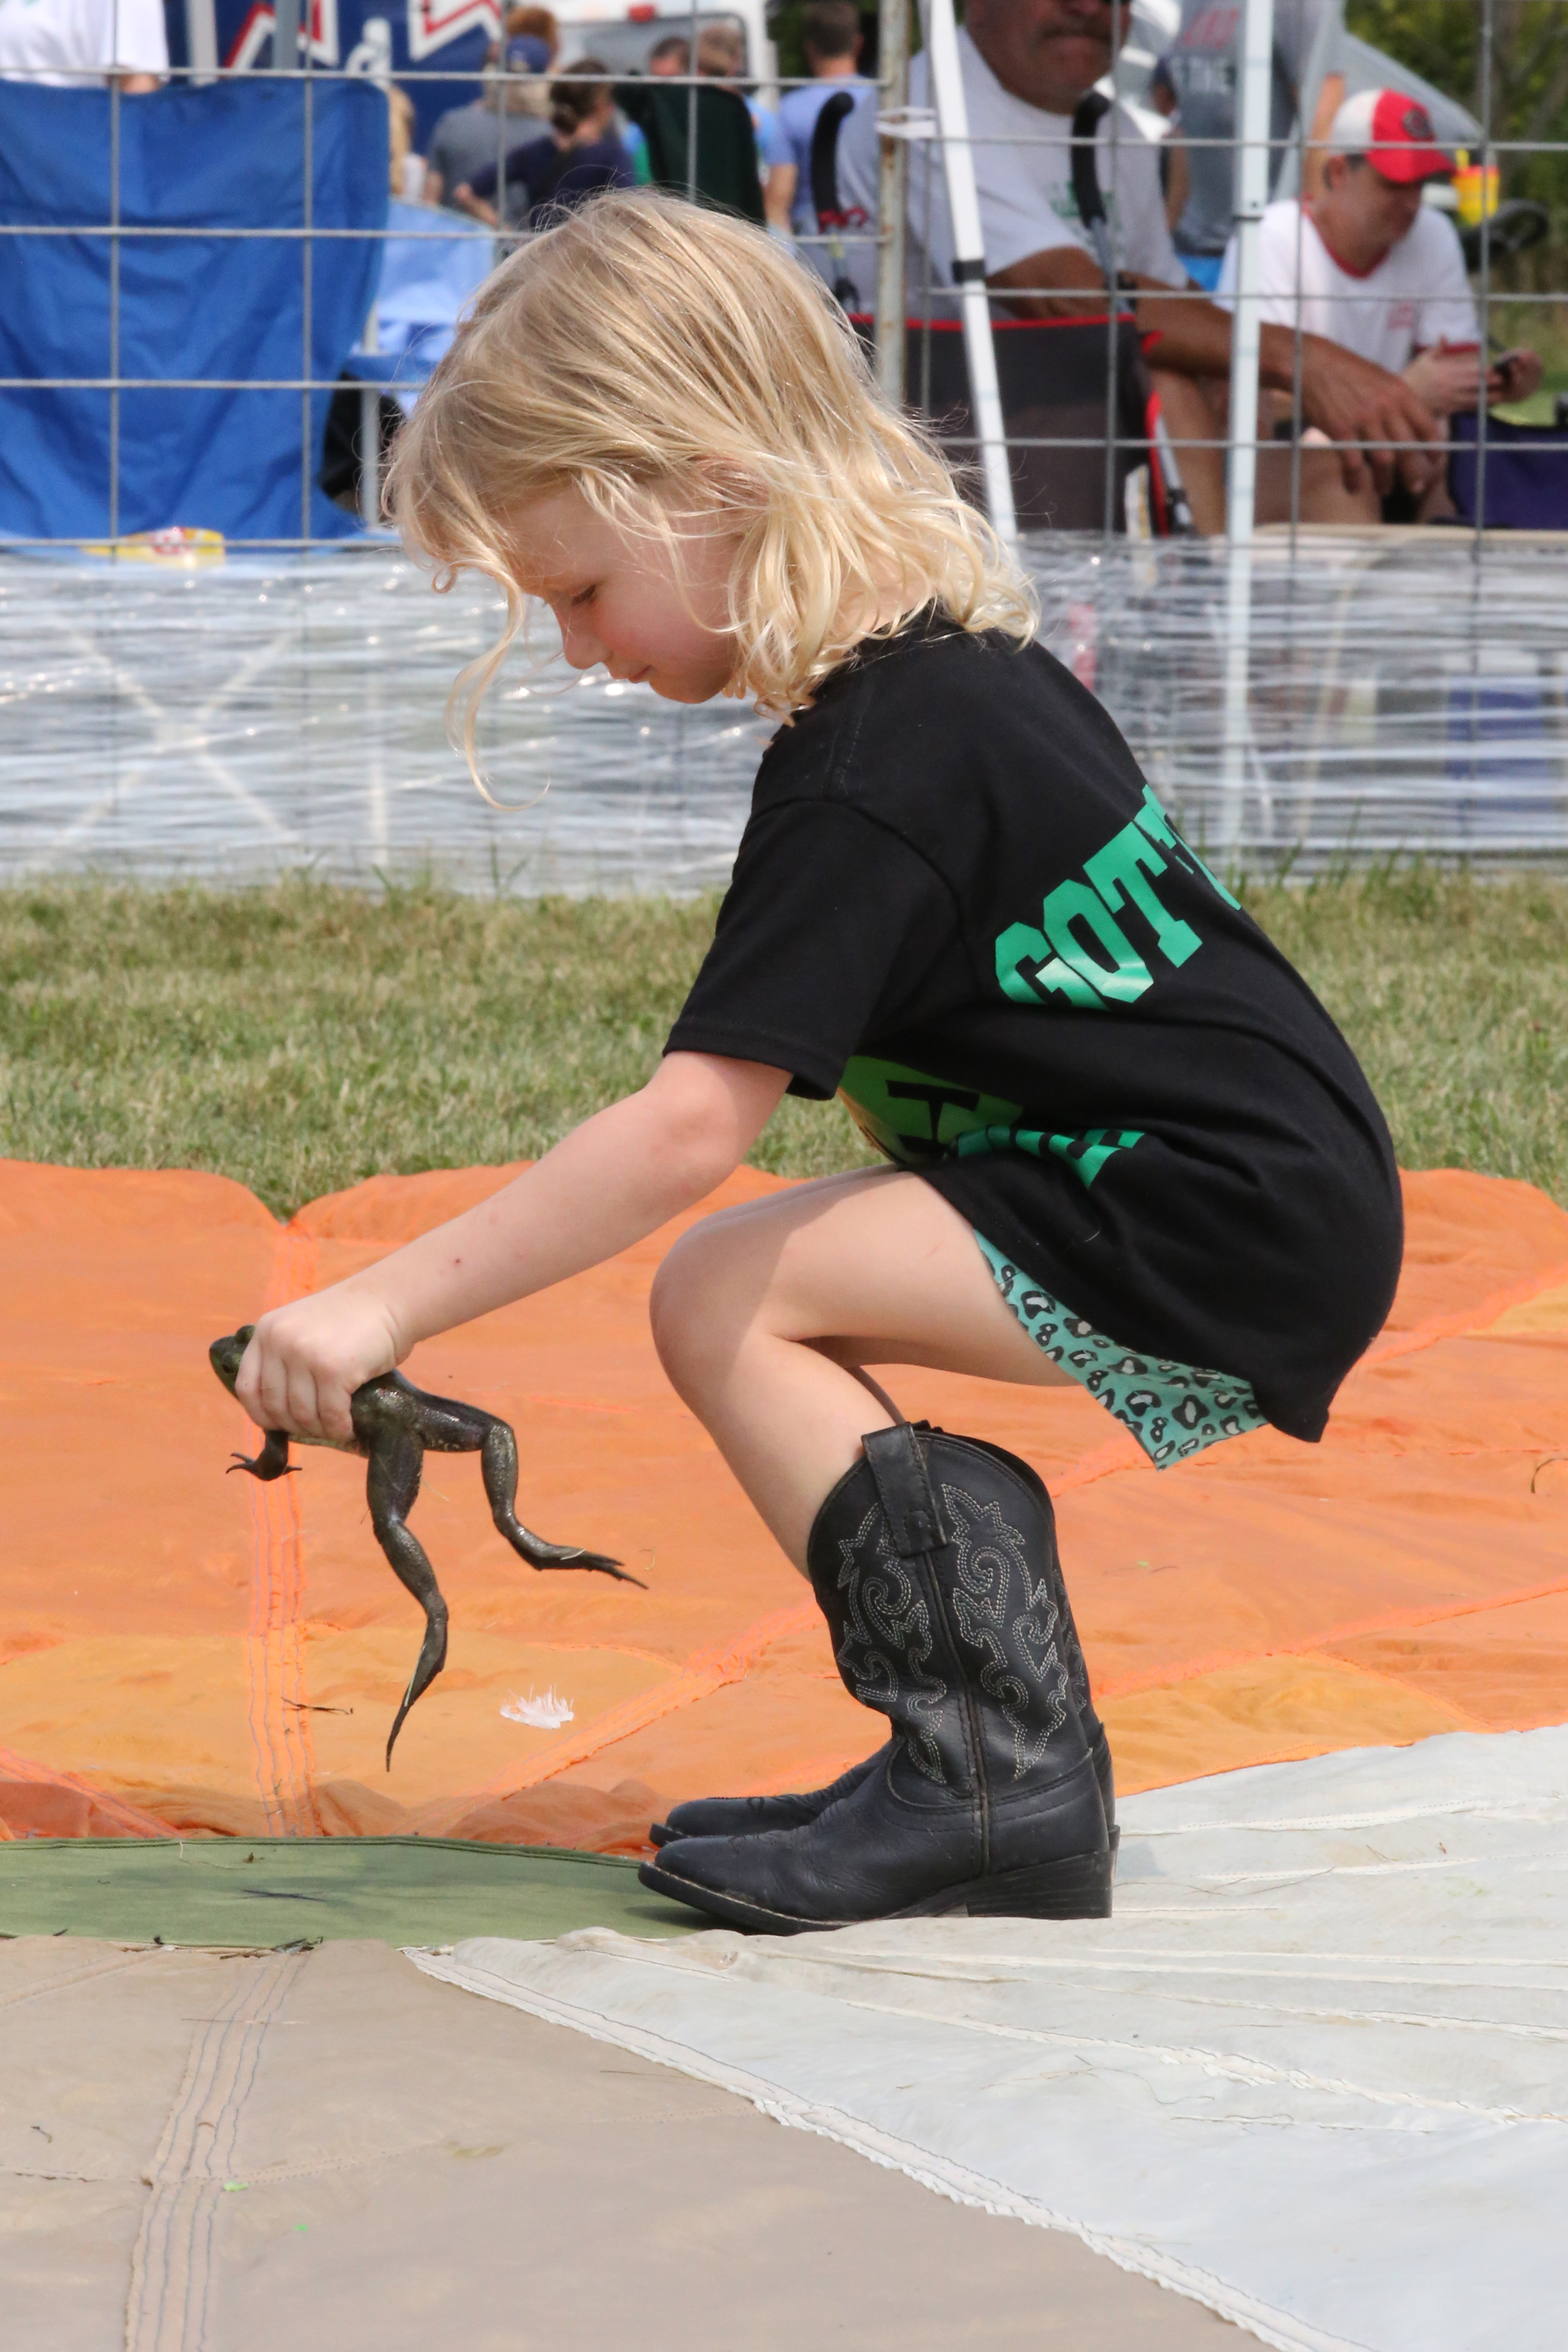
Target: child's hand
[{"x": 307, "y": 1359}]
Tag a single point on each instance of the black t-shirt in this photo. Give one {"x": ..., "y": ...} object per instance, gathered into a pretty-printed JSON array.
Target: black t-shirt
[{"x": 958, "y": 902}]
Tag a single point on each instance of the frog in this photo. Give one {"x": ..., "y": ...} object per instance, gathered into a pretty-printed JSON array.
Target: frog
[{"x": 396, "y": 1424}]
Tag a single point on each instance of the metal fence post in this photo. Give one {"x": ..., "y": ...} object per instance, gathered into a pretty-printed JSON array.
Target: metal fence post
[
  {"x": 1241, "y": 470},
  {"x": 1488, "y": 28},
  {"x": 115, "y": 101}
]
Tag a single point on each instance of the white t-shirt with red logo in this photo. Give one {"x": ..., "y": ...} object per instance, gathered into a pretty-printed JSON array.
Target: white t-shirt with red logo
[
  {"x": 1023, "y": 176},
  {"x": 1417, "y": 296}
]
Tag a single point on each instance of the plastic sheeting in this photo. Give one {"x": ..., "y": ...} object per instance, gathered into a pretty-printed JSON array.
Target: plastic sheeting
[
  {"x": 1313, "y": 2072},
  {"x": 1408, "y": 695},
  {"x": 244, "y": 721}
]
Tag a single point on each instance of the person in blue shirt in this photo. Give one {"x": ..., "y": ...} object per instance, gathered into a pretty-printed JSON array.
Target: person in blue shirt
[
  {"x": 832, "y": 40},
  {"x": 579, "y": 156}
]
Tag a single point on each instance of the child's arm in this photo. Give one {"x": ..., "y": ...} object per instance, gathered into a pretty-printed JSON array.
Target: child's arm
[{"x": 611, "y": 1180}]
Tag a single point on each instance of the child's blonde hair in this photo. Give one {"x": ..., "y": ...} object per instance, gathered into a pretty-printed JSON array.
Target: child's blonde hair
[{"x": 656, "y": 356}]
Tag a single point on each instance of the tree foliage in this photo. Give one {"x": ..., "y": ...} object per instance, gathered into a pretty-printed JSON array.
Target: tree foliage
[{"x": 1443, "y": 39}]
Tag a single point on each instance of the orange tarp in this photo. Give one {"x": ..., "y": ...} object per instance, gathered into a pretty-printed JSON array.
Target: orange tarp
[{"x": 186, "y": 1651}]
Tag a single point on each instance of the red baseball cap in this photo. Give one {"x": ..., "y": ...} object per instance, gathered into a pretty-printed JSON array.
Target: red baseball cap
[{"x": 1394, "y": 132}]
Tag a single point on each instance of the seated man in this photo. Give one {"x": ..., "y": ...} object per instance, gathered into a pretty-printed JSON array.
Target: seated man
[
  {"x": 1371, "y": 269},
  {"x": 1026, "y": 63}
]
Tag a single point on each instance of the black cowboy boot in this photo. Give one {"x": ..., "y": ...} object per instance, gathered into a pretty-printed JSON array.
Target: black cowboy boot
[
  {"x": 929, "y": 1559},
  {"x": 745, "y": 1816},
  {"x": 1072, "y": 1648}
]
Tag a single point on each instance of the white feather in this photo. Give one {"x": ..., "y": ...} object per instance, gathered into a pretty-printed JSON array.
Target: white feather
[{"x": 544, "y": 1710}]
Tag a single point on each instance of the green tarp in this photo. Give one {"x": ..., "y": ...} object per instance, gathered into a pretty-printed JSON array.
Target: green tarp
[{"x": 271, "y": 1891}]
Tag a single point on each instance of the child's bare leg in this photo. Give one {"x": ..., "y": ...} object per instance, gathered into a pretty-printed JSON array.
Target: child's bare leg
[{"x": 762, "y": 1314}]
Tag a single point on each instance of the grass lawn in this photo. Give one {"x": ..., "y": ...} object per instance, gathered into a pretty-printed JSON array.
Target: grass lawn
[{"x": 301, "y": 1037}]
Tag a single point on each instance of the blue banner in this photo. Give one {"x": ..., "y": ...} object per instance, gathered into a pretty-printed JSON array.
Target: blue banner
[{"x": 189, "y": 306}]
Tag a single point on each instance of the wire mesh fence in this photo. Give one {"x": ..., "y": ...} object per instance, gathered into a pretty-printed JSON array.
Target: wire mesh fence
[{"x": 1402, "y": 690}]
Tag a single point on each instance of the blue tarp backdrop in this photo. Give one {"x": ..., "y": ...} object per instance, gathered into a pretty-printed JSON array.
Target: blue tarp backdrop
[{"x": 230, "y": 156}]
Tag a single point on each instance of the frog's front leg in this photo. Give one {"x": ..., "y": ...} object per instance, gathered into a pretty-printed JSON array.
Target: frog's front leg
[
  {"x": 272, "y": 1462},
  {"x": 498, "y": 1465},
  {"x": 392, "y": 1488}
]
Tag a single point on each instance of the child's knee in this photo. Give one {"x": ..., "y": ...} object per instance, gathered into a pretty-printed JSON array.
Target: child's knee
[{"x": 690, "y": 1306}]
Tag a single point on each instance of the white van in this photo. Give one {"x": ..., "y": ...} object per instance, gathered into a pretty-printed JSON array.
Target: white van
[{"x": 622, "y": 37}]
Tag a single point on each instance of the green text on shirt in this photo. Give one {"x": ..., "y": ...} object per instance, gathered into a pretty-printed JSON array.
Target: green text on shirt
[{"x": 1080, "y": 950}]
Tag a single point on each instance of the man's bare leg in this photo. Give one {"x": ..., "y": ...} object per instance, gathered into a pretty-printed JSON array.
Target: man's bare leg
[
  {"x": 1198, "y": 422},
  {"x": 1321, "y": 495}
]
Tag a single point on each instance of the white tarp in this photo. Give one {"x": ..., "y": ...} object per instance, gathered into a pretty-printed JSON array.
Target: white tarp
[{"x": 1314, "y": 2071}]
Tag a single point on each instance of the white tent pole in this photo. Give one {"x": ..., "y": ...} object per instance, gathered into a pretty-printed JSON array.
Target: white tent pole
[
  {"x": 893, "y": 182},
  {"x": 969, "y": 261},
  {"x": 1253, "y": 93}
]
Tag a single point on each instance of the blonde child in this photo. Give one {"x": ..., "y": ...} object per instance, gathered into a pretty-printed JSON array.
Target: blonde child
[{"x": 1127, "y": 1146}]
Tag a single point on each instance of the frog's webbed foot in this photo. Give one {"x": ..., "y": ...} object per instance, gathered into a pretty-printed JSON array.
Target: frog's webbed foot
[
  {"x": 392, "y": 1488},
  {"x": 272, "y": 1462},
  {"x": 498, "y": 1463}
]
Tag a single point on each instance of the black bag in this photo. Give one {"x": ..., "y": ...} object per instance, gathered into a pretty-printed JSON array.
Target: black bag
[{"x": 1526, "y": 479}]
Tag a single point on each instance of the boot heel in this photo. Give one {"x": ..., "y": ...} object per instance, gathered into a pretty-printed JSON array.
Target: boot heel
[{"x": 1076, "y": 1888}]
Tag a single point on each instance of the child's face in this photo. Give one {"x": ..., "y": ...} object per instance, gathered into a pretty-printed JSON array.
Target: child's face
[{"x": 620, "y": 602}]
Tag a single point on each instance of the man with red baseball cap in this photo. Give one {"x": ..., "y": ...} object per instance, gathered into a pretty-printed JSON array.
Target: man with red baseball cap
[{"x": 1368, "y": 265}]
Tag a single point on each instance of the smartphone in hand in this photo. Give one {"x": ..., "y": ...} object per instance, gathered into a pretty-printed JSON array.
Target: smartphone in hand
[{"x": 1508, "y": 375}]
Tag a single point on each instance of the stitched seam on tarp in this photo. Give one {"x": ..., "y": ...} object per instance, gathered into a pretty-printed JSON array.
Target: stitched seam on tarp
[
  {"x": 1463, "y": 1322},
  {"x": 172, "y": 2267},
  {"x": 282, "y": 1755},
  {"x": 1401, "y": 1621}
]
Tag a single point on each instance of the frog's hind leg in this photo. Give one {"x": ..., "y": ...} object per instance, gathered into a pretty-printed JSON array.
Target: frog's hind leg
[
  {"x": 498, "y": 1463},
  {"x": 392, "y": 1488}
]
